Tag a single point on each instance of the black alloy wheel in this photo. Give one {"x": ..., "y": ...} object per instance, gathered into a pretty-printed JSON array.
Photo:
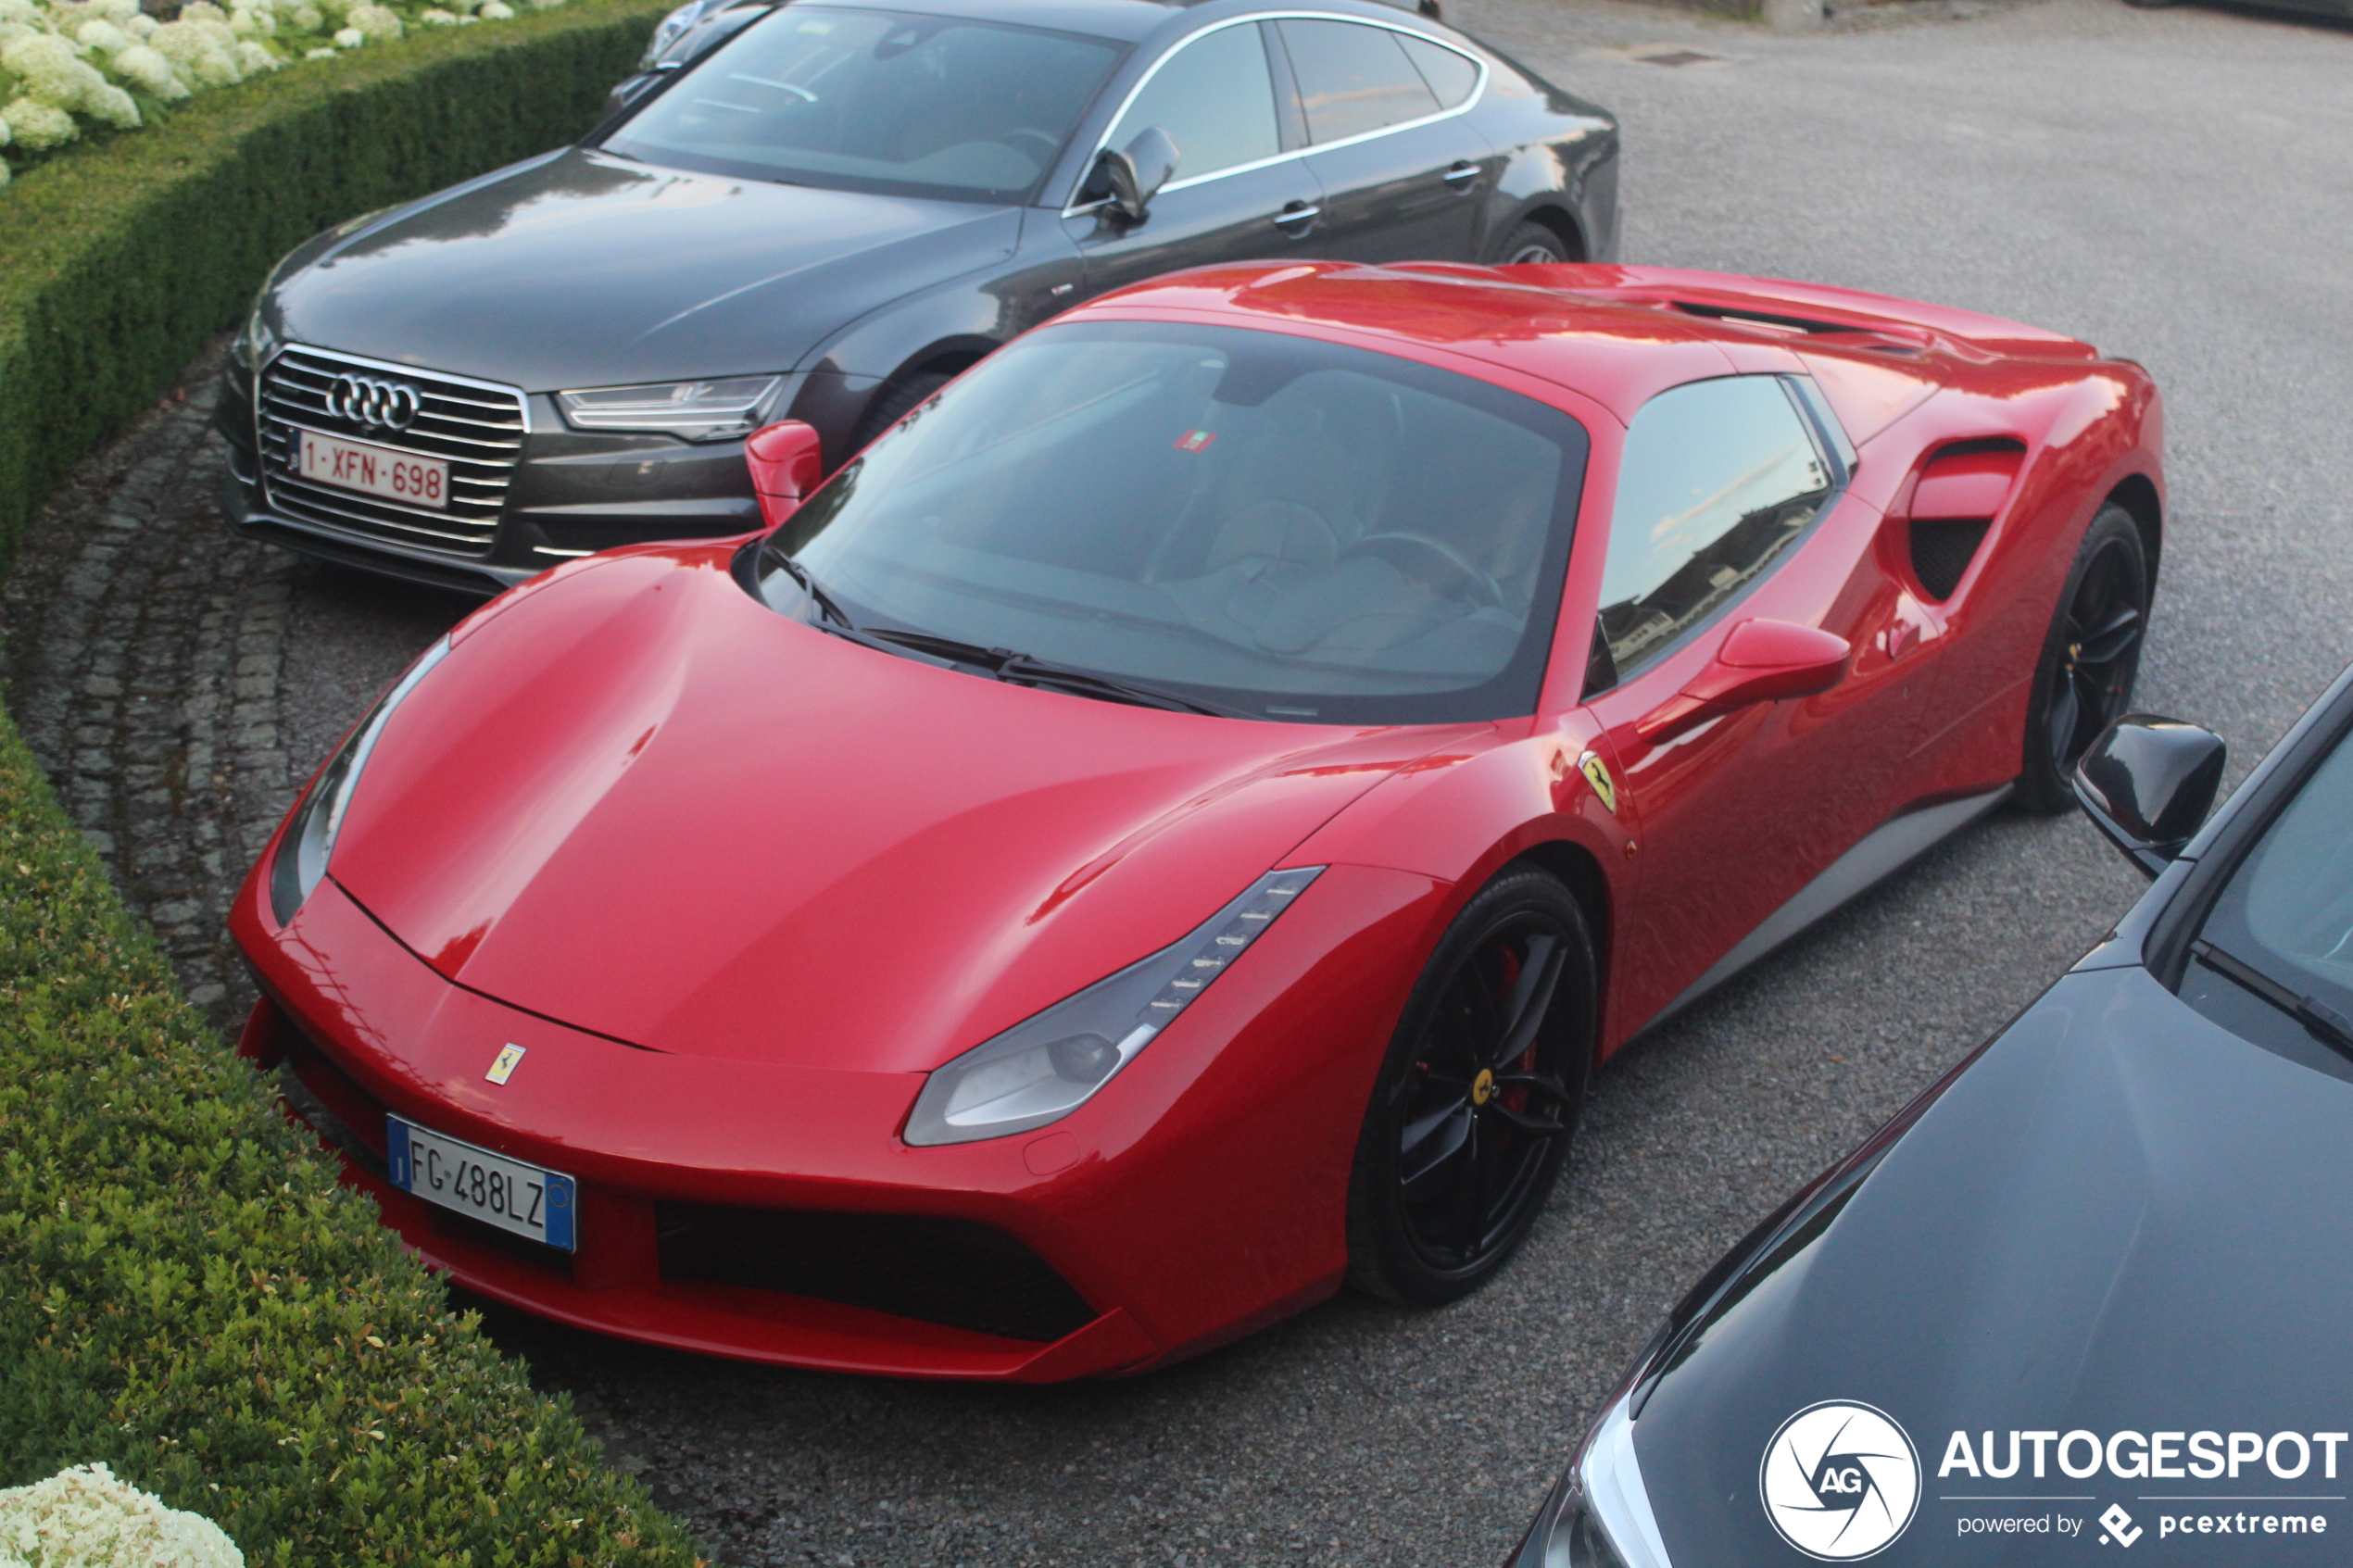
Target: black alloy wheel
[
  {"x": 1476, "y": 1103},
  {"x": 2085, "y": 682}
]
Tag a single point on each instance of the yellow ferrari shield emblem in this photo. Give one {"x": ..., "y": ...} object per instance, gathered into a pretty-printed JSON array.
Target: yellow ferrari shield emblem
[
  {"x": 1596, "y": 773},
  {"x": 504, "y": 1067}
]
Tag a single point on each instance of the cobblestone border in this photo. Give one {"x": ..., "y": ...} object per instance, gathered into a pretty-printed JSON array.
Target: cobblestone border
[{"x": 144, "y": 647}]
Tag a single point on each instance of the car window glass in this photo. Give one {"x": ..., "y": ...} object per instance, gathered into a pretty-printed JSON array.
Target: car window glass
[
  {"x": 876, "y": 101},
  {"x": 2287, "y": 910},
  {"x": 1450, "y": 75},
  {"x": 1719, "y": 478},
  {"x": 1300, "y": 529},
  {"x": 1352, "y": 79},
  {"x": 1214, "y": 97}
]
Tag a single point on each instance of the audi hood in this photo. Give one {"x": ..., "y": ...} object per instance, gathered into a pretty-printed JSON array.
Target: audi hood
[
  {"x": 583, "y": 269},
  {"x": 635, "y": 800},
  {"x": 2091, "y": 1296}
]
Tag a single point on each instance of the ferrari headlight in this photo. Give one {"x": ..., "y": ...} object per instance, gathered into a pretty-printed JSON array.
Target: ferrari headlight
[
  {"x": 1043, "y": 1068},
  {"x": 694, "y": 410},
  {"x": 1599, "y": 1516},
  {"x": 310, "y": 831}
]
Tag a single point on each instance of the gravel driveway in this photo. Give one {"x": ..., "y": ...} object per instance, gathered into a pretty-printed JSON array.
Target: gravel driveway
[{"x": 2175, "y": 186}]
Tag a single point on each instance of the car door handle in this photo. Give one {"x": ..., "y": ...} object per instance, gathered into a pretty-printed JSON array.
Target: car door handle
[
  {"x": 1461, "y": 176},
  {"x": 1302, "y": 213}
]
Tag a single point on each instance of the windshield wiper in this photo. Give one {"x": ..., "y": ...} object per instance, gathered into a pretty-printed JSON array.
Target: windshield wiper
[
  {"x": 1021, "y": 669},
  {"x": 2331, "y": 1026},
  {"x": 808, "y": 581}
]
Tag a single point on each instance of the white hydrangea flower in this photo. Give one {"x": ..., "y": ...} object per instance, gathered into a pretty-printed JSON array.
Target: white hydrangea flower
[
  {"x": 36, "y": 127},
  {"x": 496, "y": 11},
  {"x": 84, "y": 1518},
  {"x": 308, "y": 19},
  {"x": 256, "y": 58},
  {"x": 246, "y": 22},
  {"x": 151, "y": 73},
  {"x": 142, "y": 26},
  {"x": 113, "y": 105},
  {"x": 103, "y": 36},
  {"x": 11, "y": 31},
  {"x": 4, "y": 137},
  {"x": 349, "y": 38},
  {"x": 319, "y": 53},
  {"x": 202, "y": 51},
  {"x": 49, "y": 71},
  {"x": 434, "y": 16},
  {"x": 376, "y": 21},
  {"x": 23, "y": 12},
  {"x": 202, "y": 11}
]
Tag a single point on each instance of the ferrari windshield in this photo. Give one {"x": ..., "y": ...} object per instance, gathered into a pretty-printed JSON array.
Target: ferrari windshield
[
  {"x": 882, "y": 101},
  {"x": 1266, "y": 524}
]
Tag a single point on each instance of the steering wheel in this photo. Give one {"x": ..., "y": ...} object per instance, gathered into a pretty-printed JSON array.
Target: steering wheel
[
  {"x": 1046, "y": 142},
  {"x": 1401, "y": 549}
]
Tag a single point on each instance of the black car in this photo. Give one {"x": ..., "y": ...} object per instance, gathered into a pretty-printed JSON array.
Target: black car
[
  {"x": 2085, "y": 1294},
  {"x": 827, "y": 213}
]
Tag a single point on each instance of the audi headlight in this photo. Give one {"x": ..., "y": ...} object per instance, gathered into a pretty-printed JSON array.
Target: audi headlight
[
  {"x": 1599, "y": 1516},
  {"x": 693, "y": 410},
  {"x": 1043, "y": 1068},
  {"x": 257, "y": 342},
  {"x": 311, "y": 830}
]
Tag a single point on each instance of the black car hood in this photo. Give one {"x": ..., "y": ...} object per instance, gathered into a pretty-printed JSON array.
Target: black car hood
[
  {"x": 2121, "y": 1218},
  {"x": 587, "y": 269}
]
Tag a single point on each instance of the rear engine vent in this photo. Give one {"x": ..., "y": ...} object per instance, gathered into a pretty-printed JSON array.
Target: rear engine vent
[
  {"x": 1942, "y": 549},
  {"x": 959, "y": 1273}
]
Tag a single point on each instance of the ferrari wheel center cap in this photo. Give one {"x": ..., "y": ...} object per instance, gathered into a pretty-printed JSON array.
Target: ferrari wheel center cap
[{"x": 1483, "y": 1086}]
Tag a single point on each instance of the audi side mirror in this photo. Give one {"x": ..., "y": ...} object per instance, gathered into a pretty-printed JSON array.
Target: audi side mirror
[
  {"x": 2148, "y": 783},
  {"x": 787, "y": 464},
  {"x": 1758, "y": 661},
  {"x": 1126, "y": 179}
]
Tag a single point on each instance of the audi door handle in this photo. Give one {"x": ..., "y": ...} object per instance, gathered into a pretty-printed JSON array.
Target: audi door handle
[
  {"x": 1297, "y": 212},
  {"x": 1461, "y": 173}
]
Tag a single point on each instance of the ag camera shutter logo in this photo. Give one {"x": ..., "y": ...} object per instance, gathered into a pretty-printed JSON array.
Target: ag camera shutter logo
[{"x": 1840, "y": 1481}]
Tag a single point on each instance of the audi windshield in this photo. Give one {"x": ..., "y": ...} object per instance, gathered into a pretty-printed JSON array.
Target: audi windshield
[
  {"x": 880, "y": 101},
  {"x": 1258, "y": 522}
]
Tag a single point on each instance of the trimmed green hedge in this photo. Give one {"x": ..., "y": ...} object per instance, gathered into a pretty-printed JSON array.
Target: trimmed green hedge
[
  {"x": 185, "y": 1292},
  {"x": 118, "y": 257}
]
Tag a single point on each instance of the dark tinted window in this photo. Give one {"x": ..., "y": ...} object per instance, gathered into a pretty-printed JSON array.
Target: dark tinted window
[
  {"x": 2286, "y": 914},
  {"x": 1278, "y": 525},
  {"x": 1353, "y": 78},
  {"x": 1214, "y": 97},
  {"x": 878, "y": 101},
  {"x": 1450, "y": 75},
  {"x": 1720, "y": 477}
]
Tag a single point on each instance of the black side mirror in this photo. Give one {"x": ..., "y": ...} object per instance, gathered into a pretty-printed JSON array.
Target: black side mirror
[
  {"x": 2148, "y": 782},
  {"x": 1128, "y": 178}
]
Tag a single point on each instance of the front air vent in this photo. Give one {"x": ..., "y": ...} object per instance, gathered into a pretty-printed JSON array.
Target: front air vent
[
  {"x": 959, "y": 1273},
  {"x": 1942, "y": 549}
]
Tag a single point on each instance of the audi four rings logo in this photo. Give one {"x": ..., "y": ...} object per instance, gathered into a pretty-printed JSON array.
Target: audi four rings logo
[
  {"x": 367, "y": 401},
  {"x": 1840, "y": 1481}
]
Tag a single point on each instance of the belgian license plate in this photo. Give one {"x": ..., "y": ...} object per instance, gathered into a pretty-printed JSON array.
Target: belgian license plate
[
  {"x": 493, "y": 1188},
  {"x": 379, "y": 471}
]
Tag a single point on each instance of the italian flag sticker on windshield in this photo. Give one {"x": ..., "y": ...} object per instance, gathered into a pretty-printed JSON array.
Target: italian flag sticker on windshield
[{"x": 1196, "y": 440}]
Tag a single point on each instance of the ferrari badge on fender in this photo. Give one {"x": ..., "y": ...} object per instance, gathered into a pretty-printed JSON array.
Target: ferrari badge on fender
[
  {"x": 1596, "y": 773},
  {"x": 509, "y": 1057}
]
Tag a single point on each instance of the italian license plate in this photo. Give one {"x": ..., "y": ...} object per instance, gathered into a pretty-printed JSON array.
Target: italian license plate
[
  {"x": 379, "y": 471},
  {"x": 493, "y": 1188}
]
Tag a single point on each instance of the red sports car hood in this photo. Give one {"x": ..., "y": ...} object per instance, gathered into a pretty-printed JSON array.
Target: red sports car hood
[{"x": 639, "y": 802}]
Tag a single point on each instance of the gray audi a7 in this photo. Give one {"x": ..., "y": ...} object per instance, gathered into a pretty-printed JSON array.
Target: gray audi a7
[{"x": 824, "y": 211}]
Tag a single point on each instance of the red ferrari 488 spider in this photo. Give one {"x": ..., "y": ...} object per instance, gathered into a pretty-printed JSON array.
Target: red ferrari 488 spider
[{"x": 1172, "y": 826}]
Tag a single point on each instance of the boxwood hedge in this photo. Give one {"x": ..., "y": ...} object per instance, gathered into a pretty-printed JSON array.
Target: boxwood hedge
[{"x": 185, "y": 1292}]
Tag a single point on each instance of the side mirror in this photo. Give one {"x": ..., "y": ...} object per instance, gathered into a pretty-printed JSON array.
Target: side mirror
[
  {"x": 1758, "y": 661},
  {"x": 2148, "y": 783},
  {"x": 1128, "y": 178},
  {"x": 786, "y": 464}
]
